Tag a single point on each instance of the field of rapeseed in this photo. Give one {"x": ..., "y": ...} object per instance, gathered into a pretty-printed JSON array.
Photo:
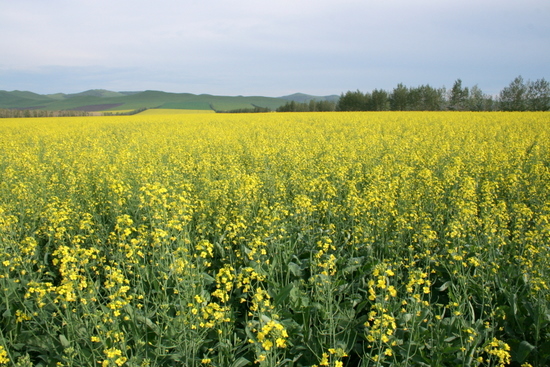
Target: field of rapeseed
[{"x": 326, "y": 239}]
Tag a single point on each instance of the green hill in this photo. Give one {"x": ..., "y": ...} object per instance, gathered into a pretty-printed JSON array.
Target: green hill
[
  {"x": 28, "y": 95},
  {"x": 95, "y": 93},
  {"x": 104, "y": 100},
  {"x": 23, "y": 100}
]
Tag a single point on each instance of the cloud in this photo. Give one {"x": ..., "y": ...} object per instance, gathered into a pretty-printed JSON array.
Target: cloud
[{"x": 273, "y": 46}]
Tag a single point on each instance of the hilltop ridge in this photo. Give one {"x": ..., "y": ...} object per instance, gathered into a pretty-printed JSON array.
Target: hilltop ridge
[{"x": 105, "y": 100}]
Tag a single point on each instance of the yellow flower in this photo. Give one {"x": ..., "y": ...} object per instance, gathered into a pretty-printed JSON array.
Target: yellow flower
[
  {"x": 3, "y": 356},
  {"x": 21, "y": 316},
  {"x": 324, "y": 360},
  {"x": 267, "y": 344},
  {"x": 112, "y": 352},
  {"x": 500, "y": 350}
]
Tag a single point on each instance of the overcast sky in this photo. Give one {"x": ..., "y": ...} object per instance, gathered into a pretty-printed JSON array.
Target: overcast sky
[{"x": 271, "y": 48}]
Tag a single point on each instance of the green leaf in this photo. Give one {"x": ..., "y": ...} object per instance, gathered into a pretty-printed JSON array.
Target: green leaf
[
  {"x": 283, "y": 294},
  {"x": 450, "y": 339},
  {"x": 407, "y": 317},
  {"x": 241, "y": 362},
  {"x": 208, "y": 279},
  {"x": 265, "y": 318},
  {"x": 18, "y": 346},
  {"x": 64, "y": 342},
  {"x": 295, "y": 269},
  {"x": 298, "y": 298},
  {"x": 444, "y": 286},
  {"x": 523, "y": 350},
  {"x": 353, "y": 264},
  {"x": 544, "y": 350}
]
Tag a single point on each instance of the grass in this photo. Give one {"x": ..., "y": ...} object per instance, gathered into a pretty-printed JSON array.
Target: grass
[
  {"x": 190, "y": 105},
  {"x": 116, "y": 111},
  {"x": 163, "y": 111}
]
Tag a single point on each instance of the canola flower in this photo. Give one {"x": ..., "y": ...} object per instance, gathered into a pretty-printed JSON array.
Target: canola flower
[
  {"x": 499, "y": 350},
  {"x": 326, "y": 239},
  {"x": 3, "y": 356}
]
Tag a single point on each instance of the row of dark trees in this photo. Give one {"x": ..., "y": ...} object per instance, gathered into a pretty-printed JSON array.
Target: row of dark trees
[
  {"x": 518, "y": 96},
  {"x": 311, "y": 106},
  {"x": 291, "y": 106},
  {"x": 12, "y": 113},
  {"x": 129, "y": 113},
  {"x": 526, "y": 96},
  {"x": 256, "y": 109}
]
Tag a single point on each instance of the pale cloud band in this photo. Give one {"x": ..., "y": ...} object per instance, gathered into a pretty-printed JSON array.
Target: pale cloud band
[{"x": 269, "y": 48}]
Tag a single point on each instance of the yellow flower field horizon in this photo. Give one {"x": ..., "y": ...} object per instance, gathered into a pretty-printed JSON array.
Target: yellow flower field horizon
[{"x": 276, "y": 239}]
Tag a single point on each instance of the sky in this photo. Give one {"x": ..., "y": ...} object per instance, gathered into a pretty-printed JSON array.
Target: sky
[{"x": 270, "y": 48}]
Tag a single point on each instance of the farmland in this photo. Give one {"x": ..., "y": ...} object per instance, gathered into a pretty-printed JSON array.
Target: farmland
[{"x": 295, "y": 239}]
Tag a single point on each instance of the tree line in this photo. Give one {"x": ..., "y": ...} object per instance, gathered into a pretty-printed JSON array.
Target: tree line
[
  {"x": 518, "y": 96},
  {"x": 311, "y": 106},
  {"x": 291, "y": 106},
  {"x": 129, "y": 113},
  {"x": 256, "y": 109},
  {"x": 13, "y": 113}
]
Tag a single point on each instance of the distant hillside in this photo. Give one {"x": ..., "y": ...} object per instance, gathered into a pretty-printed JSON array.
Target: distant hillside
[
  {"x": 104, "y": 100},
  {"x": 96, "y": 93},
  {"x": 23, "y": 100}
]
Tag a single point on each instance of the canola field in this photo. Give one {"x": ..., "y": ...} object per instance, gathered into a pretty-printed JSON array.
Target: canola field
[{"x": 280, "y": 239}]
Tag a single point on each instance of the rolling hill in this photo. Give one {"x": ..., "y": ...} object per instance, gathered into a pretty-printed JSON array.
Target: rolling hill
[{"x": 104, "y": 100}]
